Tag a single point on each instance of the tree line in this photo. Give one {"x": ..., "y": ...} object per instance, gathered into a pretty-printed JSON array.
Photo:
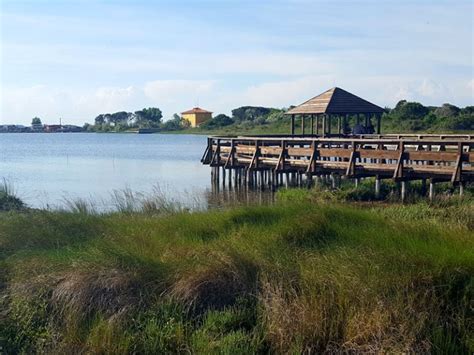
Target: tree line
[
  {"x": 404, "y": 117},
  {"x": 151, "y": 117}
]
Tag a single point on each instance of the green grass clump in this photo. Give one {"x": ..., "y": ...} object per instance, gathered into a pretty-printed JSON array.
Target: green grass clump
[
  {"x": 302, "y": 275},
  {"x": 8, "y": 199}
]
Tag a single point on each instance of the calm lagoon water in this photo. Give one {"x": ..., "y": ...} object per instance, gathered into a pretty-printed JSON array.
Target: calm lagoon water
[{"x": 46, "y": 169}]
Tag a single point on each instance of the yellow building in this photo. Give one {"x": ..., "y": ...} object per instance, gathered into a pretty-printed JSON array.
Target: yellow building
[{"x": 196, "y": 116}]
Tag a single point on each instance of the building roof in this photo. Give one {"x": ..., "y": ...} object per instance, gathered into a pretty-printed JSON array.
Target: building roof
[
  {"x": 195, "y": 110},
  {"x": 335, "y": 101}
]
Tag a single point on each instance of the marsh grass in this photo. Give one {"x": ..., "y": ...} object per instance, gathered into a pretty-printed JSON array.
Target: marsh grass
[{"x": 302, "y": 275}]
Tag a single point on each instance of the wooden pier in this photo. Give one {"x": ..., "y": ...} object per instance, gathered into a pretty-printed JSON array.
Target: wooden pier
[{"x": 273, "y": 161}]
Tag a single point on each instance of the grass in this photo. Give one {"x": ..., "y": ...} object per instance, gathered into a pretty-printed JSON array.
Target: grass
[{"x": 303, "y": 275}]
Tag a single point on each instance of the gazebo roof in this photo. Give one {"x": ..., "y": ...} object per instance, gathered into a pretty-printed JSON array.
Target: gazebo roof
[{"x": 335, "y": 101}]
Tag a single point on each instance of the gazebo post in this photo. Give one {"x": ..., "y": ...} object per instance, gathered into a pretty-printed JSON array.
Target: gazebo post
[
  {"x": 339, "y": 124},
  {"x": 317, "y": 125},
  {"x": 379, "y": 117},
  {"x": 312, "y": 124},
  {"x": 292, "y": 125},
  {"x": 324, "y": 125},
  {"x": 346, "y": 120},
  {"x": 329, "y": 124},
  {"x": 302, "y": 124}
]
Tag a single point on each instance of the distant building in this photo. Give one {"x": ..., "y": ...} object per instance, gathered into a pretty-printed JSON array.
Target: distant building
[
  {"x": 52, "y": 128},
  {"x": 196, "y": 116},
  {"x": 37, "y": 127}
]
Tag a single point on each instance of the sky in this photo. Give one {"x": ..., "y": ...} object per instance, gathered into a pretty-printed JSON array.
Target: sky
[{"x": 77, "y": 59}]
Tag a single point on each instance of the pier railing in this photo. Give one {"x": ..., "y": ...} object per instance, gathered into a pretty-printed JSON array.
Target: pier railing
[{"x": 435, "y": 157}]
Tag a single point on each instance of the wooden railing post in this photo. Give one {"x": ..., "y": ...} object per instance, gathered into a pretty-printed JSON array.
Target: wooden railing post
[
  {"x": 230, "y": 157},
  {"x": 312, "y": 161},
  {"x": 281, "y": 159},
  {"x": 398, "y": 174},
  {"x": 351, "y": 168},
  {"x": 457, "y": 174}
]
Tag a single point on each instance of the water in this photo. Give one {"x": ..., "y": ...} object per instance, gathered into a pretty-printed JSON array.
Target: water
[{"x": 46, "y": 169}]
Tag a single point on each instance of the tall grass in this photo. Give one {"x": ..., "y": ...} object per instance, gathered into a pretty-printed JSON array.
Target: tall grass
[
  {"x": 299, "y": 276},
  {"x": 8, "y": 198}
]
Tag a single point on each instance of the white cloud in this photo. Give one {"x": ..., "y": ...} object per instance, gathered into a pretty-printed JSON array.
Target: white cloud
[
  {"x": 19, "y": 105},
  {"x": 174, "y": 91}
]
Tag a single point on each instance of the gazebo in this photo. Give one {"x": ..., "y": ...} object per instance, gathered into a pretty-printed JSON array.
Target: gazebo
[{"x": 339, "y": 104}]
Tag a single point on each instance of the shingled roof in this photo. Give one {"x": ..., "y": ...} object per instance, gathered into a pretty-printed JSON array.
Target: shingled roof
[{"x": 335, "y": 101}]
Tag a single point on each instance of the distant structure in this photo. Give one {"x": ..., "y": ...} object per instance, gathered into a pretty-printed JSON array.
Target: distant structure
[
  {"x": 339, "y": 104},
  {"x": 37, "y": 127},
  {"x": 196, "y": 116}
]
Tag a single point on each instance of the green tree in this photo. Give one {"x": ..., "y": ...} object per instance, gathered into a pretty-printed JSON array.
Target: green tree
[
  {"x": 447, "y": 110},
  {"x": 151, "y": 115},
  {"x": 220, "y": 120},
  {"x": 249, "y": 113},
  {"x": 410, "y": 110},
  {"x": 36, "y": 120}
]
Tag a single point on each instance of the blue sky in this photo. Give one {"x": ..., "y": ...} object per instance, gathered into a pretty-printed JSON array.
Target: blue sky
[{"x": 76, "y": 59}]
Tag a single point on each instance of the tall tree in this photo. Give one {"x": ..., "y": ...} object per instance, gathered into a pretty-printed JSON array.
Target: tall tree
[{"x": 36, "y": 120}]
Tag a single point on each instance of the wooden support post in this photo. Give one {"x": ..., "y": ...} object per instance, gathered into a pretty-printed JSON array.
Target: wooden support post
[
  {"x": 317, "y": 124},
  {"x": 309, "y": 180},
  {"x": 339, "y": 125},
  {"x": 379, "y": 119},
  {"x": 377, "y": 187},
  {"x": 216, "y": 175},
  {"x": 431, "y": 190},
  {"x": 423, "y": 187},
  {"x": 461, "y": 189},
  {"x": 292, "y": 125},
  {"x": 329, "y": 125},
  {"x": 312, "y": 124},
  {"x": 403, "y": 191}
]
